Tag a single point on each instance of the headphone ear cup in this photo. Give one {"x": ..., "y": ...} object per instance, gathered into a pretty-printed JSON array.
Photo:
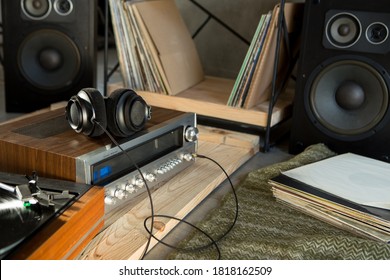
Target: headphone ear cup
[
  {"x": 127, "y": 112},
  {"x": 84, "y": 110}
]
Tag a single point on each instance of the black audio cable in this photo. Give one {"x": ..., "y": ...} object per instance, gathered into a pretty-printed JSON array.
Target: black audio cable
[
  {"x": 143, "y": 178},
  {"x": 213, "y": 242}
]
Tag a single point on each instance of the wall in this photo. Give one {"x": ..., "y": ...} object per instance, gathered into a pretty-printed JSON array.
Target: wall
[{"x": 221, "y": 52}]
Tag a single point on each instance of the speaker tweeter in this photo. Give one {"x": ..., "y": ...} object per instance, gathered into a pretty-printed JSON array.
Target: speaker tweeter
[
  {"x": 377, "y": 33},
  {"x": 63, "y": 7}
]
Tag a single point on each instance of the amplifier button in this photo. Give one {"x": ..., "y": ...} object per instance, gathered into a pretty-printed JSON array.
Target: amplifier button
[
  {"x": 161, "y": 171},
  {"x": 110, "y": 200},
  {"x": 168, "y": 166}
]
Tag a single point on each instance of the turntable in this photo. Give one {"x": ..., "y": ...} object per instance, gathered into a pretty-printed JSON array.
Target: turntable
[
  {"x": 43, "y": 218},
  {"x": 44, "y": 142}
]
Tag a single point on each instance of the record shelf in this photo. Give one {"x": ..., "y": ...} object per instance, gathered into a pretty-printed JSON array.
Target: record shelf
[{"x": 210, "y": 96}]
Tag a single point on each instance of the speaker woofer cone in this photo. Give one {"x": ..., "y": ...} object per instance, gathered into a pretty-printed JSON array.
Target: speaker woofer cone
[
  {"x": 347, "y": 99},
  {"x": 343, "y": 30},
  {"x": 49, "y": 59},
  {"x": 36, "y": 9}
]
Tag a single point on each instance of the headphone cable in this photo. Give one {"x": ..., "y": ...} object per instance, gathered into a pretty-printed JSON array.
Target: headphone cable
[
  {"x": 213, "y": 242},
  {"x": 143, "y": 178}
]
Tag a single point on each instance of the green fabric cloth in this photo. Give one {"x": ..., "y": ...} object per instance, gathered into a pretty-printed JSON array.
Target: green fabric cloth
[{"x": 267, "y": 229}]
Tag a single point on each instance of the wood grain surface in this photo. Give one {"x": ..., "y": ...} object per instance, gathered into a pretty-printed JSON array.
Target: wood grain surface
[
  {"x": 126, "y": 238},
  {"x": 66, "y": 236}
]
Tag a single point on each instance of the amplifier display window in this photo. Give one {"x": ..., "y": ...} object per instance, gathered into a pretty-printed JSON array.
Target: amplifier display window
[{"x": 119, "y": 165}]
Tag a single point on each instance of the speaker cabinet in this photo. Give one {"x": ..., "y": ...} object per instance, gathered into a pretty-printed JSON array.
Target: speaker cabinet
[
  {"x": 49, "y": 51},
  {"x": 342, "y": 92}
]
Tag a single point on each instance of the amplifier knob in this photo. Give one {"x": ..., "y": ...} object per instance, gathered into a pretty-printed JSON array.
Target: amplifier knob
[
  {"x": 139, "y": 182},
  {"x": 110, "y": 200},
  {"x": 130, "y": 188},
  {"x": 150, "y": 177},
  {"x": 188, "y": 157},
  {"x": 121, "y": 194},
  {"x": 191, "y": 134}
]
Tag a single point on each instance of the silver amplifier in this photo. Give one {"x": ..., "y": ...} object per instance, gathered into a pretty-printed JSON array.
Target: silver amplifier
[{"x": 160, "y": 152}]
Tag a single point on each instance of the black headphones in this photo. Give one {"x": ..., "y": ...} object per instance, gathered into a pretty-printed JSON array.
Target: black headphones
[{"x": 123, "y": 112}]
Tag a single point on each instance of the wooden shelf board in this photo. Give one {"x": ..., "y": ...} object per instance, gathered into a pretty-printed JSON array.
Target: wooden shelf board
[{"x": 209, "y": 98}]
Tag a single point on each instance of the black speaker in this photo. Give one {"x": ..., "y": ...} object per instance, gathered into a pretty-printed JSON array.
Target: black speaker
[
  {"x": 49, "y": 51},
  {"x": 342, "y": 89}
]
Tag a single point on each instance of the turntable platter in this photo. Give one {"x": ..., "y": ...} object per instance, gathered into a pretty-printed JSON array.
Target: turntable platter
[{"x": 19, "y": 221}]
